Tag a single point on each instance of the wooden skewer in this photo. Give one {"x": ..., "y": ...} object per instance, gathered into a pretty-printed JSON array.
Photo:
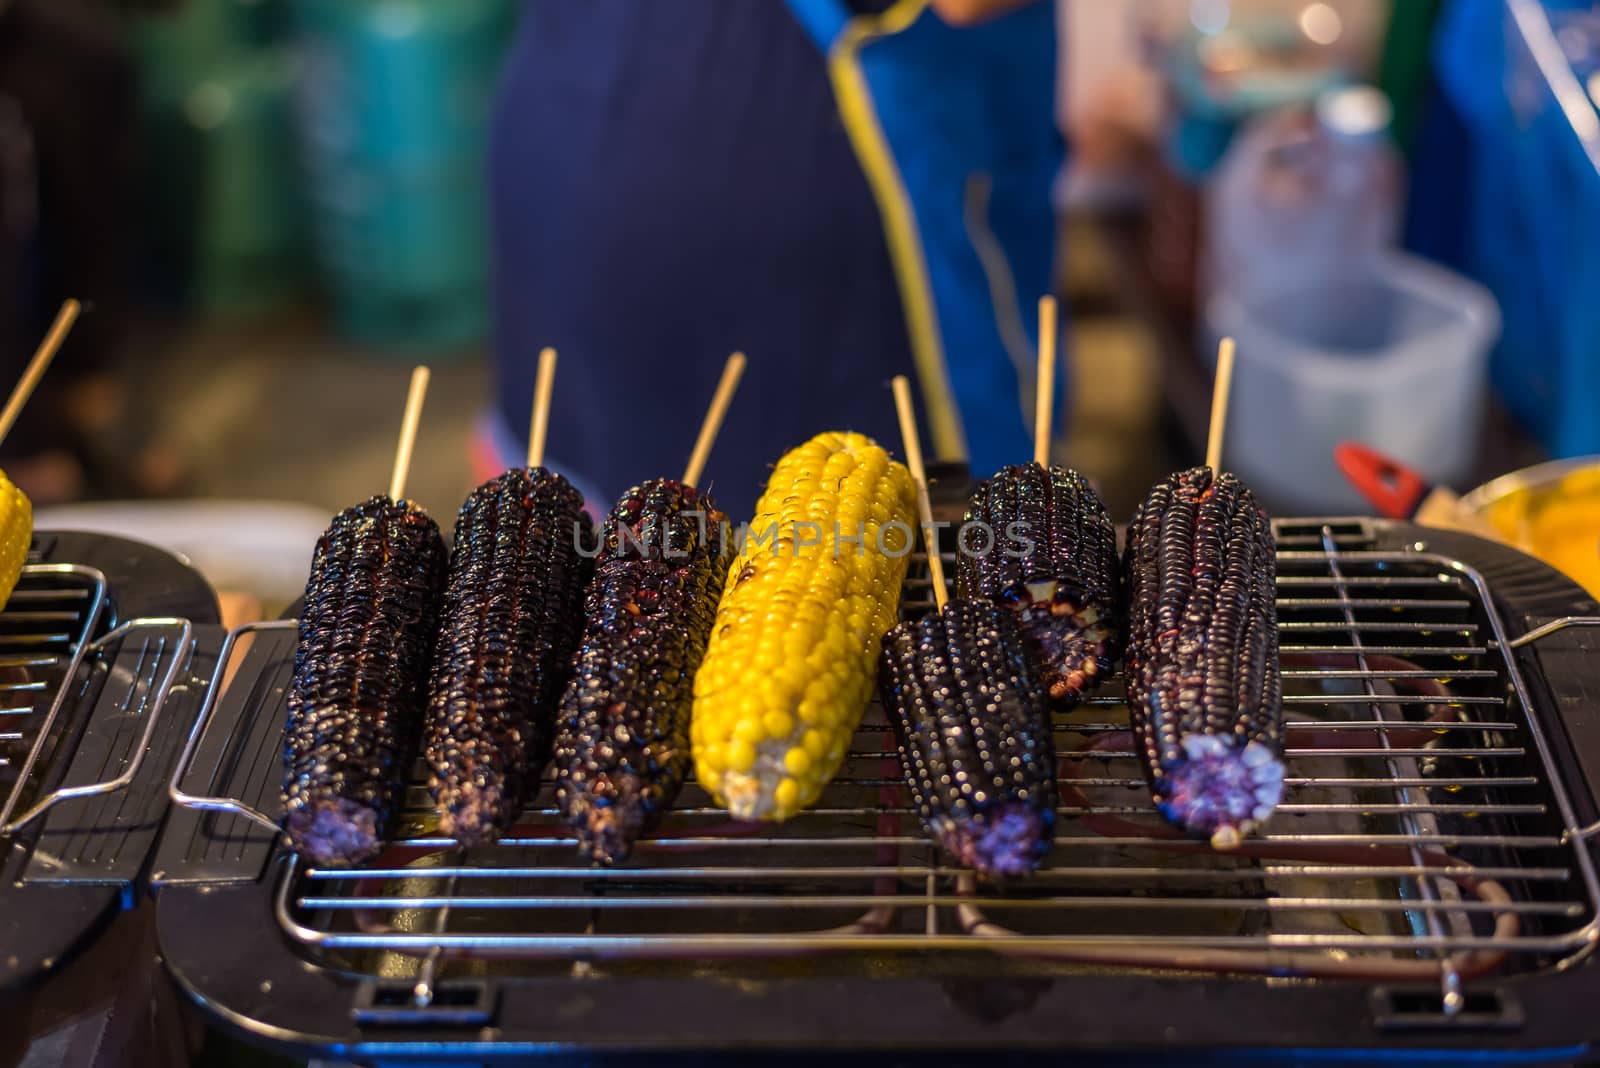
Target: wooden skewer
[
  {"x": 543, "y": 388},
  {"x": 919, "y": 474},
  {"x": 41, "y": 361},
  {"x": 408, "y": 433},
  {"x": 732, "y": 371},
  {"x": 1045, "y": 387},
  {"x": 1219, "y": 404}
]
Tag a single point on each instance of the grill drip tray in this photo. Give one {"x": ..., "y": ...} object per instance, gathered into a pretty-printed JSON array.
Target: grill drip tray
[{"x": 1427, "y": 866}]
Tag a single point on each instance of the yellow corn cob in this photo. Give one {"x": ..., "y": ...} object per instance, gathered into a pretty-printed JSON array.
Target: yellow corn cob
[
  {"x": 16, "y": 534},
  {"x": 794, "y": 652}
]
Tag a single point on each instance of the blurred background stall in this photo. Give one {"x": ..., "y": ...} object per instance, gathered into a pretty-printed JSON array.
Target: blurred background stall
[{"x": 276, "y": 206}]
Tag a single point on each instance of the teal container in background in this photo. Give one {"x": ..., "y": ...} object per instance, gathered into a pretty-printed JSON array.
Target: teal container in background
[
  {"x": 392, "y": 110},
  {"x": 224, "y": 224}
]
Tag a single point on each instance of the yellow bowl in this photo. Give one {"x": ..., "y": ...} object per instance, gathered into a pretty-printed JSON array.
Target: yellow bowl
[{"x": 1551, "y": 511}]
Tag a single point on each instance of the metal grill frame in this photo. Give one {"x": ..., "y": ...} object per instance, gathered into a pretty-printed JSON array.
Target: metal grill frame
[
  {"x": 301, "y": 913},
  {"x": 81, "y": 644}
]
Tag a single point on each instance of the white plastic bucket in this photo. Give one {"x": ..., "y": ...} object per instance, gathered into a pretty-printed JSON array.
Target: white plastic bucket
[{"x": 1394, "y": 355}]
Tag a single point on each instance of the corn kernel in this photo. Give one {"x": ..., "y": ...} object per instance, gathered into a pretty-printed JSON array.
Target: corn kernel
[
  {"x": 796, "y": 761},
  {"x": 741, "y": 756},
  {"x": 787, "y": 796}
]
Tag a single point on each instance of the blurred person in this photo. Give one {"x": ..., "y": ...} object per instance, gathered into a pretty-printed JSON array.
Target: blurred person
[
  {"x": 844, "y": 189},
  {"x": 66, "y": 174}
]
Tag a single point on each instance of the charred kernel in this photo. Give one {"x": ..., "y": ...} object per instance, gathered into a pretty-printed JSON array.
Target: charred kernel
[
  {"x": 360, "y": 668},
  {"x": 511, "y": 618},
  {"x": 1205, "y": 692},
  {"x": 972, "y": 727},
  {"x": 1053, "y": 561},
  {"x": 622, "y": 753}
]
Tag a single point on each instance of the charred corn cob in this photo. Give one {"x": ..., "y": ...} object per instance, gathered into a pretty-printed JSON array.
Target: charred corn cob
[
  {"x": 16, "y": 534},
  {"x": 1052, "y": 558},
  {"x": 1205, "y": 691},
  {"x": 794, "y": 649},
  {"x": 972, "y": 725},
  {"x": 509, "y": 624},
  {"x": 622, "y": 750},
  {"x": 360, "y": 672}
]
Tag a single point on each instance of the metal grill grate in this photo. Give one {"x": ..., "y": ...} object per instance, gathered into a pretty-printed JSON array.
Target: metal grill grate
[
  {"x": 1424, "y": 833},
  {"x": 48, "y": 631}
]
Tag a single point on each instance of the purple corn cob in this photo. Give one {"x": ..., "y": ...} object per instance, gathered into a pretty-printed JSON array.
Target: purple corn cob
[
  {"x": 622, "y": 753},
  {"x": 1065, "y": 589},
  {"x": 973, "y": 729},
  {"x": 366, "y": 636},
  {"x": 509, "y": 623},
  {"x": 1205, "y": 692}
]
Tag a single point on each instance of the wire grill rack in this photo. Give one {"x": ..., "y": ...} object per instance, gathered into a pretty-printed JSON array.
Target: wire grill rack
[
  {"x": 49, "y": 630},
  {"x": 1425, "y": 833}
]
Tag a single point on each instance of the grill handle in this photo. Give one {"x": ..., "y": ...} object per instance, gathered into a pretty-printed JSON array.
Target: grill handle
[
  {"x": 1554, "y": 626},
  {"x": 1537, "y": 634},
  {"x": 212, "y": 803},
  {"x": 180, "y": 657}
]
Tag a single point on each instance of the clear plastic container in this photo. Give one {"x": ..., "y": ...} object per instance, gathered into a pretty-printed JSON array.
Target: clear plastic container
[
  {"x": 1302, "y": 197},
  {"x": 1394, "y": 356}
]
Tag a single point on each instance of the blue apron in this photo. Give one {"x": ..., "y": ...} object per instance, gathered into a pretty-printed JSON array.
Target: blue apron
[
  {"x": 670, "y": 182},
  {"x": 956, "y": 131}
]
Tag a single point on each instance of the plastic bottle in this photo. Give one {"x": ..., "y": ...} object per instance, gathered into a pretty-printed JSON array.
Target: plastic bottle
[
  {"x": 1341, "y": 337},
  {"x": 1302, "y": 196}
]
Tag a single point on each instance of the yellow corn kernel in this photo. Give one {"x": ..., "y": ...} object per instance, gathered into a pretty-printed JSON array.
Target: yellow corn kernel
[
  {"x": 796, "y": 761},
  {"x": 16, "y": 534},
  {"x": 768, "y": 736}
]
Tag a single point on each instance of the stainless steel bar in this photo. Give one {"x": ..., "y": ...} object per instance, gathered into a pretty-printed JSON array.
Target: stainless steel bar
[
  {"x": 28, "y": 661},
  {"x": 1391, "y": 699},
  {"x": 1429, "y": 627},
  {"x": 1554, "y": 627},
  {"x": 1069, "y": 727},
  {"x": 180, "y": 771},
  {"x": 34, "y": 596},
  {"x": 1302, "y": 808},
  {"x": 450, "y": 900},
  {"x": 1297, "y": 781},
  {"x": 1332, "y": 604},
  {"x": 1418, "y": 673},
  {"x": 865, "y": 872},
  {"x": 1450, "y": 981},
  {"x": 9, "y": 618},
  {"x": 1306, "y": 754},
  {"x": 1385, "y": 581},
  {"x": 1154, "y": 839},
  {"x": 1461, "y": 651},
  {"x": 181, "y": 652},
  {"x": 91, "y": 620}
]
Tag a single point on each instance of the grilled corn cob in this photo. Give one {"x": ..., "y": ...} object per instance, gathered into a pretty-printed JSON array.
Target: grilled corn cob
[
  {"x": 510, "y": 621},
  {"x": 16, "y": 534},
  {"x": 794, "y": 649},
  {"x": 360, "y": 670},
  {"x": 973, "y": 730},
  {"x": 622, "y": 751},
  {"x": 1065, "y": 589},
  {"x": 1205, "y": 691}
]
